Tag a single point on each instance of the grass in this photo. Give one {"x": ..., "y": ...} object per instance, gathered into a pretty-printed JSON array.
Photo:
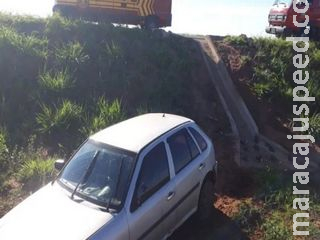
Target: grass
[
  {"x": 31, "y": 167},
  {"x": 248, "y": 217},
  {"x": 4, "y": 159},
  {"x": 270, "y": 211},
  {"x": 36, "y": 172},
  {"x": 276, "y": 227},
  {"x": 314, "y": 129},
  {"x": 62, "y": 80},
  {"x": 53, "y": 67},
  {"x": 106, "y": 114},
  {"x": 59, "y": 118},
  {"x": 71, "y": 54},
  {"x": 241, "y": 40},
  {"x": 270, "y": 70},
  {"x": 57, "y": 82}
]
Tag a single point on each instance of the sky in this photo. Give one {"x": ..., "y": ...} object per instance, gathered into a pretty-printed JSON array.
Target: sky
[{"x": 226, "y": 17}]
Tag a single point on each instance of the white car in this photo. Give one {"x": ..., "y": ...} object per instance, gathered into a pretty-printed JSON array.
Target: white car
[{"x": 138, "y": 179}]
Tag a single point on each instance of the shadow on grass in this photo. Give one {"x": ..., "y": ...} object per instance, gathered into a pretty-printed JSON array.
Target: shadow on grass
[{"x": 219, "y": 227}]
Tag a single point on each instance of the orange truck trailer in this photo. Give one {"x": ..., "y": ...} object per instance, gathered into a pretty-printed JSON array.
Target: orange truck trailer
[
  {"x": 281, "y": 19},
  {"x": 147, "y": 13}
]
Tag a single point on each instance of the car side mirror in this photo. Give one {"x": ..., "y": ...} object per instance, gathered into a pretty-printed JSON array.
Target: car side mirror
[{"x": 59, "y": 164}]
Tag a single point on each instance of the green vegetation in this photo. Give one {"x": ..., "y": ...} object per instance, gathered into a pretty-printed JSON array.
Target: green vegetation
[
  {"x": 62, "y": 74},
  {"x": 267, "y": 71},
  {"x": 58, "y": 82},
  {"x": 4, "y": 159},
  {"x": 271, "y": 66},
  {"x": 106, "y": 114},
  {"x": 248, "y": 216},
  {"x": 270, "y": 211},
  {"x": 275, "y": 227},
  {"x": 36, "y": 168},
  {"x": 62, "y": 80}
]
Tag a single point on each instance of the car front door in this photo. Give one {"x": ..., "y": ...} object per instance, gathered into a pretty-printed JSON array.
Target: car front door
[
  {"x": 188, "y": 164},
  {"x": 152, "y": 196}
]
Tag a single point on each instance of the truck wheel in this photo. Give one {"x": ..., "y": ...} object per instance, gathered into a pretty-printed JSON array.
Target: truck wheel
[
  {"x": 56, "y": 9},
  {"x": 62, "y": 11},
  {"x": 151, "y": 23},
  {"x": 206, "y": 200}
]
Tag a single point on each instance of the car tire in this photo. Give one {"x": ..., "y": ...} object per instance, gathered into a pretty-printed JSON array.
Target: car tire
[
  {"x": 151, "y": 23},
  {"x": 206, "y": 201}
]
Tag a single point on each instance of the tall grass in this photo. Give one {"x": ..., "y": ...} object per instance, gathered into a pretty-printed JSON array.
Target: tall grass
[
  {"x": 57, "y": 81},
  {"x": 314, "y": 129},
  {"x": 23, "y": 44},
  {"x": 72, "y": 54},
  {"x": 272, "y": 72},
  {"x": 4, "y": 159},
  {"x": 106, "y": 114},
  {"x": 23, "y": 23},
  {"x": 36, "y": 172},
  {"x": 59, "y": 118},
  {"x": 81, "y": 61},
  {"x": 113, "y": 52}
]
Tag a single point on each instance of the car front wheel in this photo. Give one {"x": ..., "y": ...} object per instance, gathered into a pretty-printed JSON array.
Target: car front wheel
[{"x": 206, "y": 201}]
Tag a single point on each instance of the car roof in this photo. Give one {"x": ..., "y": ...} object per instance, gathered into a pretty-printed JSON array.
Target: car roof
[{"x": 135, "y": 133}]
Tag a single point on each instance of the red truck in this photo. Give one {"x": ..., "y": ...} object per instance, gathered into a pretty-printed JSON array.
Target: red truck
[
  {"x": 281, "y": 19},
  {"x": 147, "y": 13}
]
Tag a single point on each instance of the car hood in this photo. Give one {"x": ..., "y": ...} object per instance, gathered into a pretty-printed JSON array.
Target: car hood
[{"x": 51, "y": 214}]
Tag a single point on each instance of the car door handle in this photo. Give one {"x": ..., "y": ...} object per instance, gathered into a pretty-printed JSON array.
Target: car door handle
[
  {"x": 202, "y": 166},
  {"x": 170, "y": 195}
]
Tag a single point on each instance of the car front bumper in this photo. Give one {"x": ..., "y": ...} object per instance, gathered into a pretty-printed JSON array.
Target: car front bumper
[{"x": 276, "y": 29}]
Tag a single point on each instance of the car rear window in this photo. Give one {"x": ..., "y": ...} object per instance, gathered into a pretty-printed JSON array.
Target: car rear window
[
  {"x": 183, "y": 149},
  {"x": 200, "y": 140}
]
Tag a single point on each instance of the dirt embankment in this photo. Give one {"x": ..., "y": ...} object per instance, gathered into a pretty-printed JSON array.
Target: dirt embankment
[
  {"x": 250, "y": 203},
  {"x": 257, "y": 80}
]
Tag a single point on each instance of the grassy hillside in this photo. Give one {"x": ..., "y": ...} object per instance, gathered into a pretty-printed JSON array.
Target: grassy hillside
[
  {"x": 59, "y": 75},
  {"x": 263, "y": 70},
  {"x": 62, "y": 80}
]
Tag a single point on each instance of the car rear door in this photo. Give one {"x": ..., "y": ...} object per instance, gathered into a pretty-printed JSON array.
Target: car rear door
[
  {"x": 153, "y": 195},
  {"x": 188, "y": 165}
]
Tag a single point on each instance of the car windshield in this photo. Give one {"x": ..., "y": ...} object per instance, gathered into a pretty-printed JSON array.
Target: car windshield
[
  {"x": 100, "y": 174},
  {"x": 287, "y": 3}
]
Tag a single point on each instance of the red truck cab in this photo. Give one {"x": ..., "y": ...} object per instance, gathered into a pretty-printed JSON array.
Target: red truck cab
[{"x": 281, "y": 21}]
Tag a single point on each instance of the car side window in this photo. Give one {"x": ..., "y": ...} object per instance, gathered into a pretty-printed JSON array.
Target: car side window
[
  {"x": 154, "y": 174},
  {"x": 200, "y": 140},
  {"x": 183, "y": 149}
]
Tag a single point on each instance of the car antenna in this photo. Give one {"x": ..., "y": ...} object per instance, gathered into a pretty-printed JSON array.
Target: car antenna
[{"x": 164, "y": 115}]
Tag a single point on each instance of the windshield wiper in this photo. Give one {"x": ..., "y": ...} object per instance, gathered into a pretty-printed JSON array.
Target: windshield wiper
[
  {"x": 117, "y": 185},
  {"x": 86, "y": 173}
]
